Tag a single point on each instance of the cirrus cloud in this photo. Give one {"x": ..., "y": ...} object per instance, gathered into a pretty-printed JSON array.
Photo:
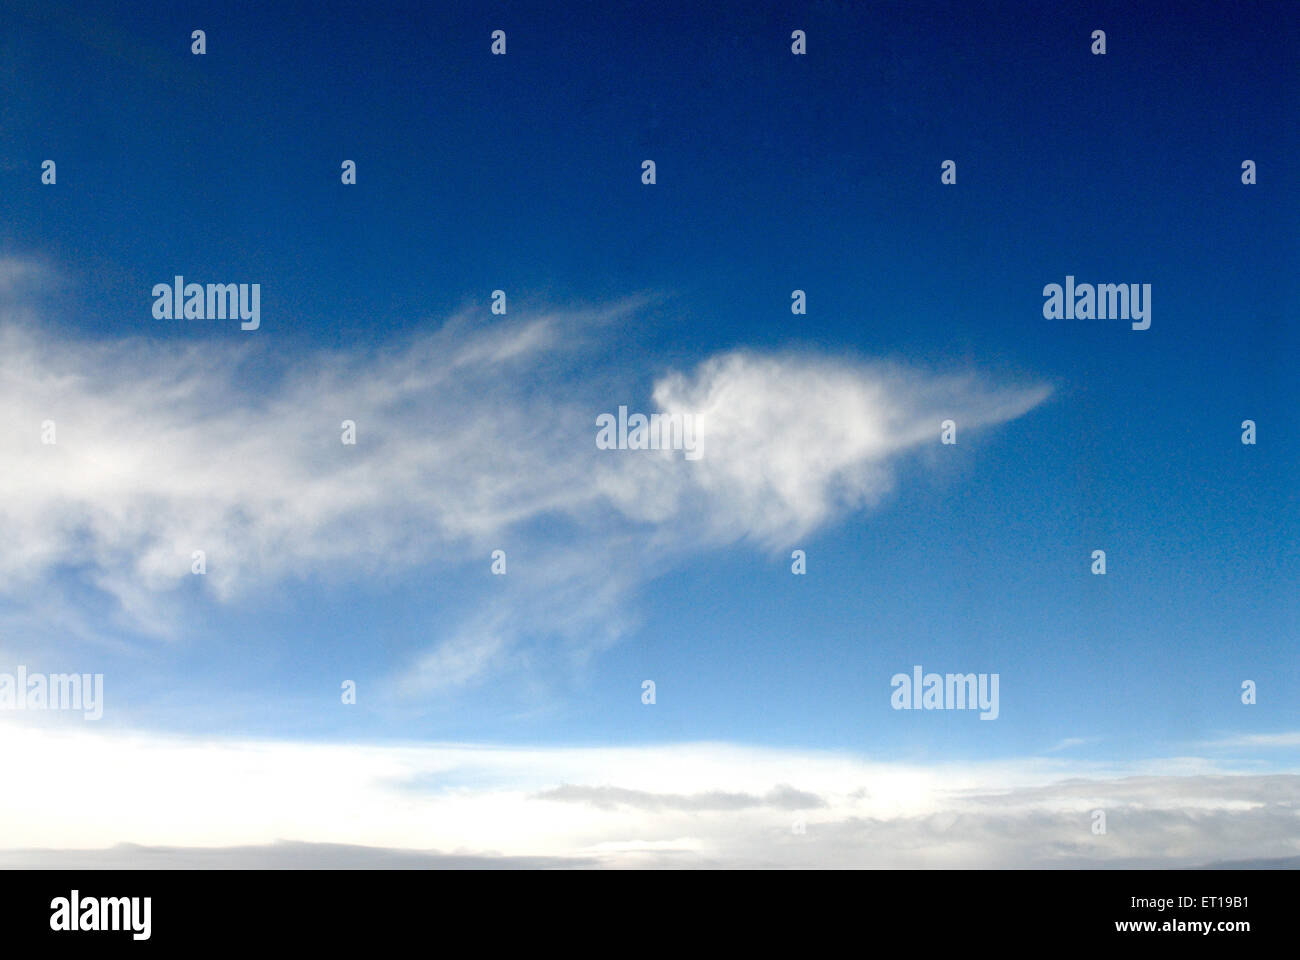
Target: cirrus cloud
[{"x": 469, "y": 436}]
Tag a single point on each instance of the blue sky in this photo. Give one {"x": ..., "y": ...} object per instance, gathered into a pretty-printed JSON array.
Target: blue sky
[{"x": 774, "y": 172}]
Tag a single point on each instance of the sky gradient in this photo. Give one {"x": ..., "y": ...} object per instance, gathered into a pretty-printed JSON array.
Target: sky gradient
[{"x": 476, "y": 432}]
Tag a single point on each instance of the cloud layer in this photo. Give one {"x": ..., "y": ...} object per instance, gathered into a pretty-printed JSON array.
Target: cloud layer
[{"x": 684, "y": 805}]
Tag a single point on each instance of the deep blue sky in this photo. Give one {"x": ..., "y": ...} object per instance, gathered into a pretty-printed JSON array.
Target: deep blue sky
[{"x": 774, "y": 172}]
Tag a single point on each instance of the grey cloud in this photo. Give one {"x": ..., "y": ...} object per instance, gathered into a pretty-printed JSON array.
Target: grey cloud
[
  {"x": 1151, "y": 822},
  {"x": 284, "y": 855},
  {"x": 781, "y": 797}
]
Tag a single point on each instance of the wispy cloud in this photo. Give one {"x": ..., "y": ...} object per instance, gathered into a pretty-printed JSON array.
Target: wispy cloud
[
  {"x": 467, "y": 438},
  {"x": 794, "y": 441},
  {"x": 1290, "y": 738}
]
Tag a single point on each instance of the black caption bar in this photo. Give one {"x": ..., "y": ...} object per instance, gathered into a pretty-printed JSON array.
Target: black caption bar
[{"x": 1216, "y": 909}]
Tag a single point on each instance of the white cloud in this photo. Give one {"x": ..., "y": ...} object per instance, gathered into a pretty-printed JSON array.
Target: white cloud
[
  {"x": 793, "y": 441},
  {"x": 467, "y": 438},
  {"x": 23, "y": 278},
  {"x": 687, "y": 804}
]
